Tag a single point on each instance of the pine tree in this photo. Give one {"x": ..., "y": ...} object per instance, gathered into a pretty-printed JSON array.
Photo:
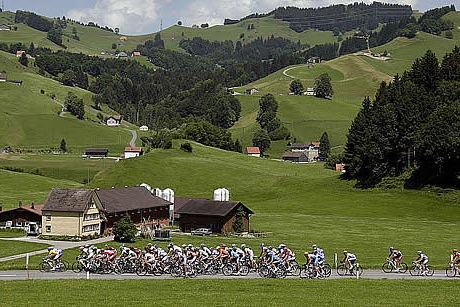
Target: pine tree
[
  {"x": 261, "y": 139},
  {"x": 324, "y": 147},
  {"x": 23, "y": 59},
  {"x": 63, "y": 145}
]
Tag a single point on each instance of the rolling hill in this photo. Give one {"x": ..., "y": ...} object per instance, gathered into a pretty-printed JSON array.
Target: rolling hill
[
  {"x": 30, "y": 120},
  {"x": 301, "y": 204},
  {"x": 353, "y": 78},
  {"x": 94, "y": 40}
]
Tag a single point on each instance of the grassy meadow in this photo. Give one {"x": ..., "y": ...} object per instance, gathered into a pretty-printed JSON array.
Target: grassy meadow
[
  {"x": 230, "y": 292},
  {"x": 10, "y": 248},
  {"x": 30, "y": 120},
  {"x": 303, "y": 204},
  {"x": 15, "y": 187}
]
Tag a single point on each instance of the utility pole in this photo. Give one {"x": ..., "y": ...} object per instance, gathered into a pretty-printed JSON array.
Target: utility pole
[
  {"x": 161, "y": 25},
  {"x": 3, "y": 5}
]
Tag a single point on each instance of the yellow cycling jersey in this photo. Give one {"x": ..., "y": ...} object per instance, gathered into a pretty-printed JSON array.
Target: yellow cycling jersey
[{"x": 53, "y": 252}]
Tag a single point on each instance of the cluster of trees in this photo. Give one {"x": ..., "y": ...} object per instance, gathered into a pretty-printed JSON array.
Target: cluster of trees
[
  {"x": 414, "y": 122},
  {"x": 33, "y": 20},
  {"x": 342, "y": 17},
  {"x": 258, "y": 49},
  {"x": 75, "y": 105},
  {"x": 323, "y": 86},
  {"x": 268, "y": 120},
  {"x": 296, "y": 87},
  {"x": 432, "y": 22},
  {"x": 326, "y": 51}
]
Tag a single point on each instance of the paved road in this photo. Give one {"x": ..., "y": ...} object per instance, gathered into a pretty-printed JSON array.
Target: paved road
[
  {"x": 132, "y": 143},
  {"x": 58, "y": 244},
  {"x": 22, "y": 275}
]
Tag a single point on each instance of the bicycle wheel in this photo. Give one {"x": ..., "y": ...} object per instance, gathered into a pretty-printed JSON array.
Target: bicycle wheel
[
  {"x": 304, "y": 273},
  {"x": 358, "y": 270},
  {"x": 429, "y": 270},
  {"x": 141, "y": 270},
  {"x": 387, "y": 267},
  {"x": 327, "y": 270},
  {"x": 64, "y": 266},
  {"x": 264, "y": 271},
  {"x": 77, "y": 267},
  {"x": 403, "y": 267},
  {"x": 227, "y": 270},
  {"x": 451, "y": 271},
  {"x": 44, "y": 267},
  {"x": 414, "y": 270},
  {"x": 342, "y": 270},
  {"x": 295, "y": 269},
  {"x": 281, "y": 272}
]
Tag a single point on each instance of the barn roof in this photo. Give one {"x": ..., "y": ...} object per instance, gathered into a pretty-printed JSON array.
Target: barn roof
[
  {"x": 210, "y": 207},
  {"x": 68, "y": 200},
  {"x": 253, "y": 150},
  {"x": 128, "y": 199},
  {"x": 36, "y": 210},
  {"x": 291, "y": 154}
]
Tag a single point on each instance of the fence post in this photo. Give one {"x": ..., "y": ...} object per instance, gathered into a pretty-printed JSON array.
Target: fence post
[
  {"x": 27, "y": 265},
  {"x": 335, "y": 260},
  {"x": 87, "y": 275},
  {"x": 357, "y": 272}
]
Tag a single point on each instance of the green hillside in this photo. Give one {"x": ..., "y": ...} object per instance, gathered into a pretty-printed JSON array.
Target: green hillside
[
  {"x": 30, "y": 120},
  {"x": 25, "y": 187},
  {"x": 302, "y": 204},
  {"x": 308, "y": 117},
  {"x": 94, "y": 40}
]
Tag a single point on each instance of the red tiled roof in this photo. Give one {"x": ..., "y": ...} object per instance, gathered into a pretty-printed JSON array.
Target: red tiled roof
[
  {"x": 37, "y": 208},
  {"x": 253, "y": 150},
  {"x": 316, "y": 144},
  {"x": 290, "y": 154},
  {"x": 137, "y": 53},
  {"x": 117, "y": 117},
  {"x": 20, "y": 52},
  {"x": 133, "y": 149}
]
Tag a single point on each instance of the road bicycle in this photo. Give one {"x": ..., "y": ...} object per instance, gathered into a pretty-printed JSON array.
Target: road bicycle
[
  {"x": 417, "y": 270},
  {"x": 308, "y": 272},
  {"x": 47, "y": 265},
  {"x": 232, "y": 269},
  {"x": 390, "y": 266},
  {"x": 343, "y": 269},
  {"x": 452, "y": 270}
]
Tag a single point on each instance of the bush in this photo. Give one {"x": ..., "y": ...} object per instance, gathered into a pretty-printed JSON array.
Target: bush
[
  {"x": 333, "y": 160},
  {"x": 187, "y": 147},
  {"x": 124, "y": 230}
]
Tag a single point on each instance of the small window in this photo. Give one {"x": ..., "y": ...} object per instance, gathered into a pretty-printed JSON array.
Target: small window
[
  {"x": 48, "y": 228},
  {"x": 48, "y": 218}
]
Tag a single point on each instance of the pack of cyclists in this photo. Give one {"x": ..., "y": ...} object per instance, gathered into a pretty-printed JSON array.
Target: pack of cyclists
[{"x": 188, "y": 256}]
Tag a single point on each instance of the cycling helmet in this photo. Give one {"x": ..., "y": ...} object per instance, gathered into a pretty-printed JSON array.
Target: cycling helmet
[
  {"x": 149, "y": 245},
  {"x": 264, "y": 248},
  {"x": 280, "y": 246},
  {"x": 184, "y": 245},
  {"x": 81, "y": 248},
  {"x": 262, "y": 244},
  {"x": 306, "y": 253},
  {"x": 106, "y": 246},
  {"x": 170, "y": 245},
  {"x": 218, "y": 247},
  {"x": 122, "y": 246},
  {"x": 190, "y": 246},
  {"x": 157, "y": 246},
  {"x": 392, "y": 248},
  {"x": 233, "y": 245},
  {"x": 211, "y": 248},
  {"x": 86, "y": 245},
  {"x": 270, "y": 247},
  {"x": 224, "y": 246},
  {"x": 454, "y": 250},
  {"x": 243, "y": 245},
  {"x": 202, "y": 245},
  {"x": 345, "y": 251},
  {"x": 234, "y": 248},
  {"x": 419, "y": 252}
]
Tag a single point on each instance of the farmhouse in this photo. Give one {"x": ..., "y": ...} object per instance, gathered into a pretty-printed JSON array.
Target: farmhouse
[
  {"x": 136, "y": 53},
  {"x": 5, "y": 27},
  {"x": 144, "y": 128},
  {"x": 96, "y": 153},
  {"x": 19, "y": 53},
  {"x": 137, "y": 202},
  {"x": 215, "y": 215},
  {"x": 21, "y": 217},
  {"x": 296, "y": 157},
  {"x": 253, "y": 151},
  {"x": 340, "y": 167},
  {"x": 72, "y": 213},
  {"x": 251, "y": 91},
  {"x": 114, "y": 120},
  {"x": 179, "y": 202},
  {"x": 80, "y": 213},
  {"x": 123, "y": 38},
  {"x": 133, "y": 152},
  {"x": 3, "y": 77},
  {"x": 311, "y": 150}
]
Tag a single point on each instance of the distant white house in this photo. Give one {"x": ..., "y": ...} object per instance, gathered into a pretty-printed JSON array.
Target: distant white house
[
  {"x": 19, "y": 53},
  {"x": 114, "y": 121},
  {"x": 133, "y": 152},
  {"x": 144, "y": 128},
  {"x": 136, "y": 53},
  {"x": 122, "y": 55},
  {"x": 310, "y": 92},
  {"x": 251, "y": 91},
  {"x": 5, "y": 28},
  {"x": 3, "y": 76},
  {"x": 253, "y": 152}
]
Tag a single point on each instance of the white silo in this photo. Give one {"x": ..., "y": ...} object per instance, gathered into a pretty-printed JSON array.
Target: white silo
[
  {"x": 157, "y": 192},
  {"x": 168, "y": 194},
  {"x": 222, "y": 194},
  {"x": 145, "y": 185}
]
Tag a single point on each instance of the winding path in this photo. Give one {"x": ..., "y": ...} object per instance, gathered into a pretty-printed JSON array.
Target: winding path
[
  {"x": 285, "y": 72},
  {"x": 132, "y": 143}
]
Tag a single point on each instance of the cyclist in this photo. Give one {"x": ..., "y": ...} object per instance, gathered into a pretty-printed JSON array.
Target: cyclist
[
  {"x": 288, "y": 255},
  {"x": 274, "y": 260},
  {"x": 455, "y": 259},
  {"x": 240, "y": 256},
  {"x": 422, "y": 259},
  {"x": 204, "y": 248},
  {"x": 249, "y": 254},
  {"x": 349, "y": 259},
  {"x": 320, "y": 254},
  {"x": 312, "y": 260},
  {"x": 223, "y": 254},
  {"x": 397, "y": 256},
  {"x": 182, "y": 256},
  {"x": 54, "y": 254},
  {"x": 110, "y": 252}
]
